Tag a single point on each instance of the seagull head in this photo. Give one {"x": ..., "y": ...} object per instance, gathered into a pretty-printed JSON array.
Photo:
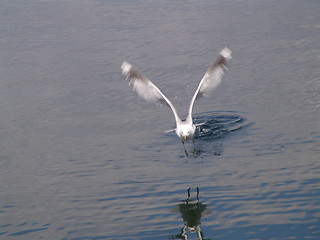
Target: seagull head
[{"x": 185, "y": 132}]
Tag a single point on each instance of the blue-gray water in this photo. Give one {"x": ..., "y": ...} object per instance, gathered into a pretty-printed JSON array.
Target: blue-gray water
[{"x": 83, "y": 157}]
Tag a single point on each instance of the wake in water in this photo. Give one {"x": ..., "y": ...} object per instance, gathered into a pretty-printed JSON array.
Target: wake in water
[{"x": 214, "y": 126}]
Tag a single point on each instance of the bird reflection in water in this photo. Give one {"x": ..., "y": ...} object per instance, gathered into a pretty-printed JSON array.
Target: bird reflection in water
[{"x": 191, "y": 211}]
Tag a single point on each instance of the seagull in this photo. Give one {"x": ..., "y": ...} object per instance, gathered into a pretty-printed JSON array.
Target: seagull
[{"x": 185, "y": 129}]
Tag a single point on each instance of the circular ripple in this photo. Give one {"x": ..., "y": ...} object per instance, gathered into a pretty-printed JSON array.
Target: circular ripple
[{"x": 216, "y": 125}]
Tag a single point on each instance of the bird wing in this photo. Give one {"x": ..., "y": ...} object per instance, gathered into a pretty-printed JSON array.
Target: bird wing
[
  {"x": 145, "y": 88},
  {"x": 211, "y": 78}
]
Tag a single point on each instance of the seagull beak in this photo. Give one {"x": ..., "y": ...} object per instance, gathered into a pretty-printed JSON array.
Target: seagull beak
[{"x": 185, "y": 137}]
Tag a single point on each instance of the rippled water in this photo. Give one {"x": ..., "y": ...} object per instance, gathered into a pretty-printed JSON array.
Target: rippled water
[{"x": 82, "y": 157}]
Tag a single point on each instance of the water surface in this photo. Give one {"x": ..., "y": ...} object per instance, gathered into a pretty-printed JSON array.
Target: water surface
[{"x": 82, "y": 157}]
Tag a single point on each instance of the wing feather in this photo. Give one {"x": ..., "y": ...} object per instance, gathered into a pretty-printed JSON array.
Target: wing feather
[
  {"x": 145, "y": 88},
  {"x": 212, "y": 78},
  {"x": 142, "y": 85}
]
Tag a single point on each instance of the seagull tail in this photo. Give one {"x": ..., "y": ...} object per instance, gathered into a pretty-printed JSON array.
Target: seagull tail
[{"x": 171, "y": 130}]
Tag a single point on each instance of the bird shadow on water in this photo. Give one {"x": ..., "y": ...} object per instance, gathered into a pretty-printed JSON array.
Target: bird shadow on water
[
  {"x": 191, "y": 210},
  {"x": 212, "y": 128}
]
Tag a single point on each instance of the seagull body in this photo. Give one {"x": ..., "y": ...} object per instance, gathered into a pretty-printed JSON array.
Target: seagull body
[{"x": 185, "y": 129}]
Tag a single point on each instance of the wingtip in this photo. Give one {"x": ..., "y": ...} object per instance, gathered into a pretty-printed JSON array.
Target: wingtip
[
  {"x": 226, "y": 53},
  {"x": 126, "y": 67}
]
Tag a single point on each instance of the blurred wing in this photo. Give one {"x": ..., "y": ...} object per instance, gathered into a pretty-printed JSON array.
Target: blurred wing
[
  {"x": 145, "y": 88},
  {"x": 212, "y": 77},
  {"x": 142, "y": 85}
]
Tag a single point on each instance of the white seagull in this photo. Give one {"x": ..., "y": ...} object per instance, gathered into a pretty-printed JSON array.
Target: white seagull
[{"x": 185, "y": 129}]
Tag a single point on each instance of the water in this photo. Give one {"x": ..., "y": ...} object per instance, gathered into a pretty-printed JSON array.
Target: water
[{"x": 82, "y": 157}]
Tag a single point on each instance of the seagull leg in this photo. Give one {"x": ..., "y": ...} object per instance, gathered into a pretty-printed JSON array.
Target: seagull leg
[
  {"x": 187, "y": 200},
  {"x": 194, "y": 148},
  {"x": 185, "y": 150},
  {"x": 198, "y": 191}
]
